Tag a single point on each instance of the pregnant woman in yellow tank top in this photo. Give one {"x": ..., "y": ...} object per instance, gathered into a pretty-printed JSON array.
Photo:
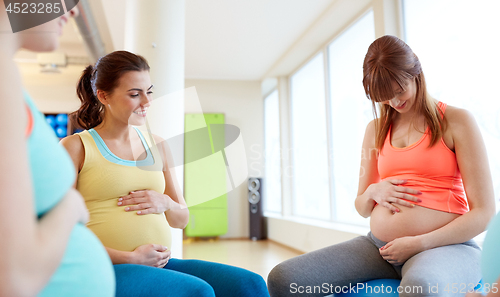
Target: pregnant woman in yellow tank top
[{"x": 131, "y": 206}]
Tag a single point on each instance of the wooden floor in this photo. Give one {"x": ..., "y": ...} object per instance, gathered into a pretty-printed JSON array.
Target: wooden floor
[{"x": 257, "y": 256}]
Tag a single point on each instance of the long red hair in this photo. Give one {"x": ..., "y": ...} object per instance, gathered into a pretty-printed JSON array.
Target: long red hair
[{"x": 389, "y": 59}]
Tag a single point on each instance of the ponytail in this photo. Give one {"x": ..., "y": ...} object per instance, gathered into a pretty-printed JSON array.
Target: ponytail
[{"x": 90, "y": 114}]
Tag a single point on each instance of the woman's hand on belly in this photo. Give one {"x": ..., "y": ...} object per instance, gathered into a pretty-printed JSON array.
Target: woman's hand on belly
[
  {"x": 387, "y": 193},
  {"x": 146, "y": 202},
  {"x": 401, "y": 249},
  {"x": 154, "y": 255}
]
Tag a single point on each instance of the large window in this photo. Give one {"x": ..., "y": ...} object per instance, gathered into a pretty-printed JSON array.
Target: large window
[
  {"x": 457, "y": 45},
  {"x": 350, "y": 112},
  {"x": 272, "y": 181},
  {"x": 310, "y": 184}
]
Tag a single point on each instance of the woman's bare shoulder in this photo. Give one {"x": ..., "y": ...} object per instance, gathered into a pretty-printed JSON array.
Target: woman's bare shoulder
[
  {"x": 457, "y": 117},
  {"x": 370, "y": 133},
  {"x": 72, "y": 142},
  {"x": 74, "y": 146},
  {"x": 461, "y": 122}
]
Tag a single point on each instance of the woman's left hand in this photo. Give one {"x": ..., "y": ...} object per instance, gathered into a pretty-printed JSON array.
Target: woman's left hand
[
  {"x": 401, "y": 249},
  {"x": 145, "y": 202}
]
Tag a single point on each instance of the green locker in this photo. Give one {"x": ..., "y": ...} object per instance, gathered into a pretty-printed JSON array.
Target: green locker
[{"x": 205, "y": 175}]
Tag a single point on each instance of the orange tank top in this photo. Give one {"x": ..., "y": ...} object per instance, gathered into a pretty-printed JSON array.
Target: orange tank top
[{"x": 431, "y": 170}]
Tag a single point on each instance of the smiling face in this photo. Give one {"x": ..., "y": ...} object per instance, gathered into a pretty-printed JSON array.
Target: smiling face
[
  {"x": 130, "y": 100},
  {"x": 404, "y": 99}
]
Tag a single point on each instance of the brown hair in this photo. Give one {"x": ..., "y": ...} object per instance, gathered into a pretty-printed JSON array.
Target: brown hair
[
  {"x": 389, "y": 60},
  {"x": 103, "y": 76}
]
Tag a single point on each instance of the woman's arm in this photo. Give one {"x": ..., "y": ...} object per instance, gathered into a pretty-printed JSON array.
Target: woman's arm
[
  {"x": 27, "y": 242},
  {"x": 154, "y": 255},
  {"x": 371, "y": 189},
  {"x": 120, "y": 257},
  {"x": 178, "y": 214},
  {"x": 74, "y": 146},
  {"x": 473, "y": 164},
  {"x": 368, "y": 173},
  {"x": 171, "y": 202}
]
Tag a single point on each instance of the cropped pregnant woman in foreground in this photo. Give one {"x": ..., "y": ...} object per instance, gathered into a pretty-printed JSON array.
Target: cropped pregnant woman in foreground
[
  {"x": 422, "y": 223},
  {"x": 45, "y": 249},
  {"x": 132, "y": 205}
]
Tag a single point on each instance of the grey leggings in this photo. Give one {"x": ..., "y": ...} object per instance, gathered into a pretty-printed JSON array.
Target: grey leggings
[{"x": 445, "y": 269}]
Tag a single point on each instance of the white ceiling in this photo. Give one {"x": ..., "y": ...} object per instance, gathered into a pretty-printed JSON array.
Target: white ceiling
[
  {"x": 225, "y": 39},
  {"x": 241, "y": 40}
]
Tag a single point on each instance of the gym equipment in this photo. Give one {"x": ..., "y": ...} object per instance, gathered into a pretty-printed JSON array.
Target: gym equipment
[
  {"x": 61, "y": 131},
  {"x": 207, "y": 217},
  {"x": 51, "y": 120},
  {"x": 62, "y": 119}
]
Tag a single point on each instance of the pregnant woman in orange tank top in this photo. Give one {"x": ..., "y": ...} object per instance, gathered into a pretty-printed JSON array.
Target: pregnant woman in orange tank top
[{"x": 426, "y": 187}]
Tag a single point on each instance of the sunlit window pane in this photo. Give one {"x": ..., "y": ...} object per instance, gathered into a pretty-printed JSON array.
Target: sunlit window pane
[
  {"x": 309, "y": 143},
  {"x": 351, "y": 111},
  {"x": 457, "y": 45},
  {"x": 272, "y": 180}
]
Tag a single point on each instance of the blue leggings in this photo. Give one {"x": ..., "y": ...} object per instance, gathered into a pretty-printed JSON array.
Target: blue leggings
[{"x": 188, "y": 278}]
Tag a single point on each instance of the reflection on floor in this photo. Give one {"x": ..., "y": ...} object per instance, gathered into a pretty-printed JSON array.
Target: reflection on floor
[{"x": 257, "y": 256}]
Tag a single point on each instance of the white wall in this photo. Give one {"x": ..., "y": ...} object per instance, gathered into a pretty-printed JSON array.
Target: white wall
[
  {"x": 242, "y": 104},
  {"x": 52, "y": 92},
  {"x": 307, "y": 235}
]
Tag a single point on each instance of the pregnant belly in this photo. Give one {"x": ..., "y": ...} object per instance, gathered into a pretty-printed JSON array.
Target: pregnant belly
[
  {"x": 85, "y": 269},
  {"x": 387, "y": 226},
  {"x": 125, "y": 231}
]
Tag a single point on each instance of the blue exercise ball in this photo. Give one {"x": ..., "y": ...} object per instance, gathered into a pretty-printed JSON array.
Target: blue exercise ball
[
  {"x": 62, "y": 119},
  {"x": 490, "y": 259},
  {"x": 61, "y": 131},
  {"x": 51, "y": 120}
]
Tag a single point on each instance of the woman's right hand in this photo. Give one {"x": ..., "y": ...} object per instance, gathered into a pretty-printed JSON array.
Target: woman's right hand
[
  {"x": 387, "y": 193},
  {"x": 154, "y": 255}
]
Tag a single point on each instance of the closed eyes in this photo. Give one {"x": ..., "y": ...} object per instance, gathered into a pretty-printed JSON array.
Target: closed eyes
[{"x": 137, "y": 95}]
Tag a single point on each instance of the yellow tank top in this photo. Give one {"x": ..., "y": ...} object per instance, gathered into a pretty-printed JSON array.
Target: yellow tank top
[{"x": 104, "y": 178}]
